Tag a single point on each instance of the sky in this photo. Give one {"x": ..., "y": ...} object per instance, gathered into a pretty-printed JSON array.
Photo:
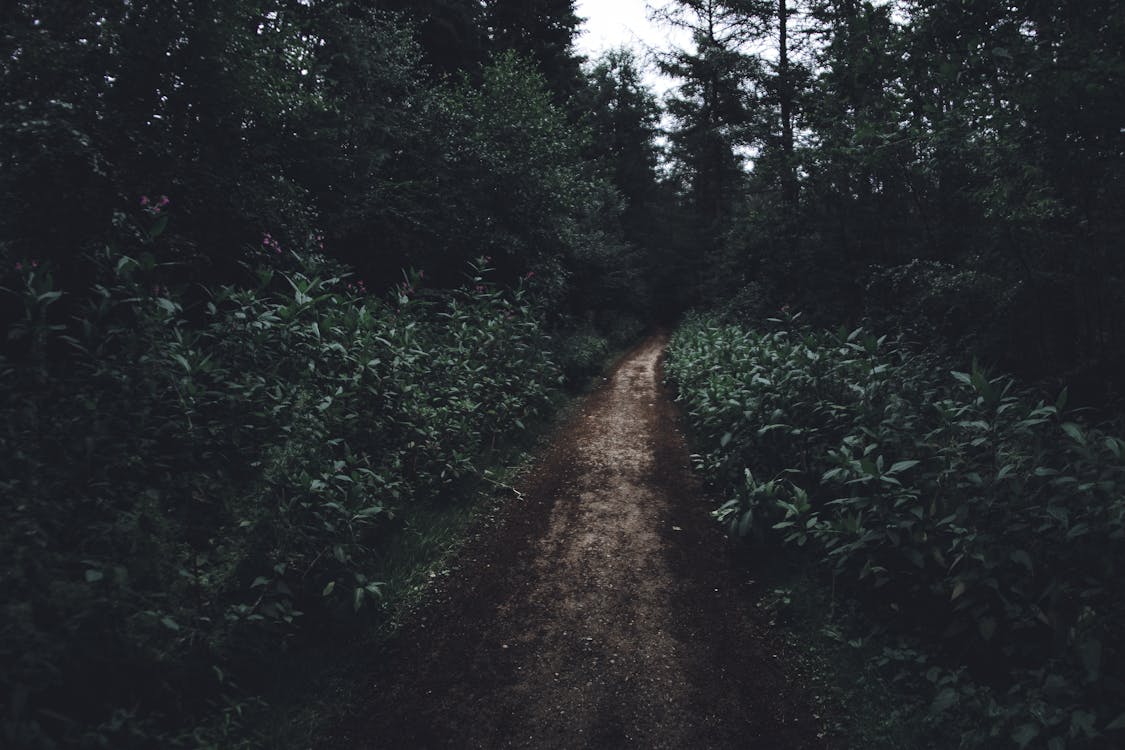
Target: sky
[{"x": 625, "y": 23}]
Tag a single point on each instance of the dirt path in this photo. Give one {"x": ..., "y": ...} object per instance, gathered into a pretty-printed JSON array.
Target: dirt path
[{"x": 602, "y": 612}]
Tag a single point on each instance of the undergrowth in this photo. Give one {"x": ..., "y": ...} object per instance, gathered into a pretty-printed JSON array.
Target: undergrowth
[
  {"x": 962, "y": 512},
  {"x": 198, "y": 480}
]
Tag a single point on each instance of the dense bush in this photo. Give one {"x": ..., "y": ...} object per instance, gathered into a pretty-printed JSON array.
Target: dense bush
[
  {"x": 584, "y": 351},
  {"x": 190, "y": 475},
  {"x": 944, "y": 306},
  {"x": 961, "y": 505}
]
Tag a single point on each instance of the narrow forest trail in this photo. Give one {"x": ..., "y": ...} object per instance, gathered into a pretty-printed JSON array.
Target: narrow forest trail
[{"x": 603, "y": 610}]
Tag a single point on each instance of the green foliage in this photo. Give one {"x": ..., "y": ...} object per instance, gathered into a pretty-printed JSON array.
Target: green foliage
[
  {"x": 542, "y": 31},
  {"x": 205, "y": 455},
  {"x": 980, "y": 138},
  {"x": 582, "y": 354},
  {"x": 962, "y": 506},
  {"x": 193, "y": 479},
  {"x": 514, "y": 163},
  {"x": 944, "y": 306}
]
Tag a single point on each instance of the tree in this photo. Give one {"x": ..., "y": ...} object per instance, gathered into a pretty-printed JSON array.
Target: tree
[
  {"x": 711, "y": 111},
  {"x": 542, "y": 31},
  {"x": 450, "y": 33},
  {"x": 624, "y": 120},
  {"x": 511, "y": 186}
]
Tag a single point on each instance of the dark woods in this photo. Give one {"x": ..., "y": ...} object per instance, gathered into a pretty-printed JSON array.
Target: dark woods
[
  {"x": 272, "y": 272},
  {"x": 948, "y": 166},
  {"x": 951, "y": 169}
]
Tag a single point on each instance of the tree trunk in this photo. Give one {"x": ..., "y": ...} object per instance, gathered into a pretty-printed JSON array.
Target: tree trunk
[{"x": 785, "y": 97}]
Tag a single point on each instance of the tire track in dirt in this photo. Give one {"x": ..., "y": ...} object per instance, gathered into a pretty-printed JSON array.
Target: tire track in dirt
[{"x": 603, "y": 611}]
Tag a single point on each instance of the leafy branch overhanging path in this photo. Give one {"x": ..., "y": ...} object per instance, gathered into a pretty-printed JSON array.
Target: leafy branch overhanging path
[{"x": 601, "y": 612}]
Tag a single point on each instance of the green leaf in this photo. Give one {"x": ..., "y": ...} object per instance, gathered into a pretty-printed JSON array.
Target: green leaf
[
  {"x": 1084, "y": 721},
  {"x": 1116, "y": 724},
  {"x": 1060, "y": 403},
  {"x": 93, "y": 576},
  {"x": 726, "y": 438},
  {"x": 901, "y": 466},
  {"x": 1024, "y": 734},
  {"x": 946, "y": 699},
  {"x": 158, "y": 227},
  {"x": 1075, "y": 432},
  {"x": 328, "y": 589},
  {"x": 169, "y": 623},
  {"x": 1024, "y": 559},
  {"x": 1114, "y": 446},
  {"x": 745, "y": 523},
  {"x": 987, "y": 628},
  {"x": 1079, "y": 529},
  {"x": 978, "y": 380}
]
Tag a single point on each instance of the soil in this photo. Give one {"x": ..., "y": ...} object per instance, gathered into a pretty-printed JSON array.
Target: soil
[{"x": 602, "y": 610}]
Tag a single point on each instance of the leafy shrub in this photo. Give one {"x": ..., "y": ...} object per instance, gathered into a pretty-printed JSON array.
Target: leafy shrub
[
  {"x": 191, "y": 475},
  {"x": 753, "y": 301},
  {"x": 986, "y": 518},
  {"x": 939, "y": 304},
  {"x": 582, "y": 355},
  {"x": 622, "y": 329}
]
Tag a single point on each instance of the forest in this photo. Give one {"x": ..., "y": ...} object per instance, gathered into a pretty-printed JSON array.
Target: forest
[{"x": 284, "y": 281}]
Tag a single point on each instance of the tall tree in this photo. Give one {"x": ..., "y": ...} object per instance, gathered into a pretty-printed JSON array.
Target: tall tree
[
  {"x": 543, "y": 31},
  {"x": 861, "y": 193},
  {"x": 450, "y": 33},
  {"x": 786, "y": 104},
  {"x": 624, "y": 120},
  {"x": 710, "y": 108}
]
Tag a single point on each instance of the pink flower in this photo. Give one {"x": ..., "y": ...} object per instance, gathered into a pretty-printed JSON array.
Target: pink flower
[
  {"x": 144, "y": 200},
  {"x": 164, "y": 200},
  {"x": 35, "y": 264},
  {"x": 19, "y": 266},
  {"x": 269, "y": 241},
  {"x": 530, "y": 275}
]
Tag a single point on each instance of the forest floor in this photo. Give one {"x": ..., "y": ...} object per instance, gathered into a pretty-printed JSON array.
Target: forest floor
[{"x": 601, "y": 610}]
